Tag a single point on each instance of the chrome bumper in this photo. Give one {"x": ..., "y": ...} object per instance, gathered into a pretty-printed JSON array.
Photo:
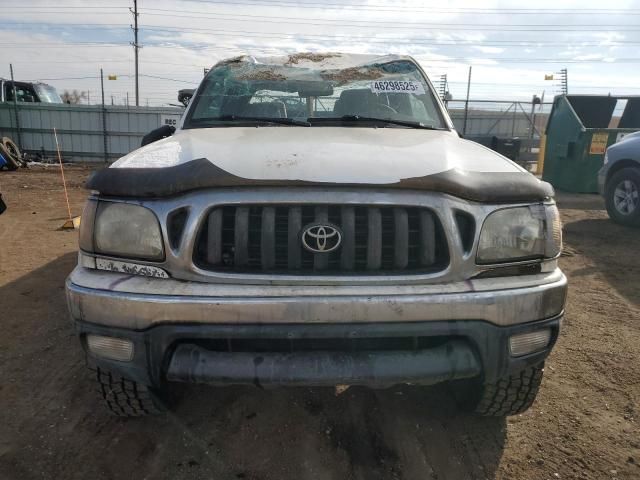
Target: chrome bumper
[{"x": 134, "y": 302}]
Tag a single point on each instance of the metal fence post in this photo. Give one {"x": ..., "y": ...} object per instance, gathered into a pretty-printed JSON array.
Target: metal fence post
[
  {"x": 104, "y": 119},
  {"x": 15, "y": 107},
  {"x": 466, "y": 104},
  {"x": 532, "y": 120}
]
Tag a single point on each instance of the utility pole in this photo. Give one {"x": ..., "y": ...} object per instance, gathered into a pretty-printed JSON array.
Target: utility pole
[
  {"x": 104, "y": 119},
  {"x": 466, "y": 104},
  {"x": 136, "y": 46},
  {"x": 15, "y": 106}
]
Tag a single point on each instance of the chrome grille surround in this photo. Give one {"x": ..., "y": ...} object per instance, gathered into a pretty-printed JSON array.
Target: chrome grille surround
[{"x": 179, "y": 254}]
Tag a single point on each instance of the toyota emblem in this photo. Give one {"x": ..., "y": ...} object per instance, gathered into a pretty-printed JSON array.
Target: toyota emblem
[{"x": 321, "y": 237}]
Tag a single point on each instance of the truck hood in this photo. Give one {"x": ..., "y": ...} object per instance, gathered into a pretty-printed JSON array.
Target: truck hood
[{"x": 254, "y": 156}]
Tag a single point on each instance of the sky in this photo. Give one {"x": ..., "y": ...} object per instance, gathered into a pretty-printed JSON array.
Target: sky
[{"x": 510, "y": 45}]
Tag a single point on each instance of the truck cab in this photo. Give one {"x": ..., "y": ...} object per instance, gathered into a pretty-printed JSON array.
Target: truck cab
[{"x": 28, "y": 92}]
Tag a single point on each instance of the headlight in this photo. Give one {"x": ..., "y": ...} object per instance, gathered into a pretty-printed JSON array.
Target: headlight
[
  {"x": 126, "y": 230},
  {"x": 520, "y": 233},
  {"x": 553, "y": 232},
  {"x": 86, "y": 225},
  {"x": 606, "y": 157}
]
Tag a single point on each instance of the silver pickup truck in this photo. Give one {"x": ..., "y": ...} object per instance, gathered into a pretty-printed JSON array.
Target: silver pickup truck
[{"x": 316, "y": 220}]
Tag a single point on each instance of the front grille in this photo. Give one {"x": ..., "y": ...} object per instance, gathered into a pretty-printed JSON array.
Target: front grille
[{"x": 267, "y": 238}]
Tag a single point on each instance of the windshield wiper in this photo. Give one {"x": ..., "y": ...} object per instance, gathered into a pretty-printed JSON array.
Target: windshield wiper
[
  {"x": 359, "y": 118},
  {"x": 282, "y": 121}
]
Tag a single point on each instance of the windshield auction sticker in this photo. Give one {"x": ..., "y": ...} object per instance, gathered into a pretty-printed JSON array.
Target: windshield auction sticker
[{"x": 397, "y": 86}]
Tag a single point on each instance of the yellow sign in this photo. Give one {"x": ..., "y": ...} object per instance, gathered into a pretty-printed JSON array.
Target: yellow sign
[
  {"x": 112, "y": 77},
  {"x": 548, "y": 77},
  {"x": 598, "y": 143}
]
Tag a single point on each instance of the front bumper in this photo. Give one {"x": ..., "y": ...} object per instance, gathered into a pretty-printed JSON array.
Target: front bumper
[
  {"x": 421, "y": 334},
  {"x": 460, "y": 349},
  {"x": 137, "y": 303}
]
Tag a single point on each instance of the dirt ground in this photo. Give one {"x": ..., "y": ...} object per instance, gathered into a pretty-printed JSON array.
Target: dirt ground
[{"x": 585, "y": 423}]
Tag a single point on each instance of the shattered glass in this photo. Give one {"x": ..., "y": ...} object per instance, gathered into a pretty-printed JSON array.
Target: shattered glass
[{"x": 314, "y": 89}]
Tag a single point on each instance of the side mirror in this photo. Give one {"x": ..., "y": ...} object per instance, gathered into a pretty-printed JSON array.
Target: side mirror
[
  {"x": 184, "y": 95},
  {"x": 157, "y": 134}
]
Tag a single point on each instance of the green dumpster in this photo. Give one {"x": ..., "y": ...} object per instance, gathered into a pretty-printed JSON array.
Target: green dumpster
[{"x": 579, "y": 131}]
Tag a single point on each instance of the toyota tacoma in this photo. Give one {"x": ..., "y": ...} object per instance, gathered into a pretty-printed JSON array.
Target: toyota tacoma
[{"x": 316, "y": 220}]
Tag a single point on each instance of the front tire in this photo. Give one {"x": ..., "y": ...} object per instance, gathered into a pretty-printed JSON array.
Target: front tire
[
  {"x": 127, "y": 398},
  {"x": 622, "y": 197},
  {"x": 13, "y": 151},
  {"x": 12, "y": 163},
  {"x": 510, "y": 395}
]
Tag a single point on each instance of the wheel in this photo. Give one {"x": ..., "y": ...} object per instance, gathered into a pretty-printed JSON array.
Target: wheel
[
  {"x": 126, "y": 398},
  {"x": 509, "y": 395},
  {"x": 622, "y": 196},
  {"x": 11, "y": 162},
  {"x": 13, "y": 151}
]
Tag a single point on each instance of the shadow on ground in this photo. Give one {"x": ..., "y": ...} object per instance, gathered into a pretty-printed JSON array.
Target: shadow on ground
[
  {"x": 579, "y": 201},
  {"x": 53, "y": 426},
  {"x": 611, "y": 248}
]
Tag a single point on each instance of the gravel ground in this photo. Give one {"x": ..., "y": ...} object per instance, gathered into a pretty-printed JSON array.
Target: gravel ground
[{"x": 52, "y": 426}]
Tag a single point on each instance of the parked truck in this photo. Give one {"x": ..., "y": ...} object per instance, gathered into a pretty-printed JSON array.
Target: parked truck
[
  {"x": 28, "y": 92},
  {"x": 316, "y": 220}
]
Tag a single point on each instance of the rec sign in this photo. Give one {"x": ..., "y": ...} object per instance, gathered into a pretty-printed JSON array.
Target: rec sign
[{"x": 168, "y": 119}]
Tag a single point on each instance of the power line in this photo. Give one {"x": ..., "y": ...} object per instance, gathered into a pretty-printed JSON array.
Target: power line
[
  {"x": 62, "y": 45},
  {"x": 430, "y": 41},
  {"x": 74, "y": 7},
  {"x": 376, "y": 7},
  {"x": 386, "y": 23},
  {"x": 63, "y": 78},
  {"x": 165, "y": 78},
  {"x": 71, "y": 12},
  {"x": 567, "y": 28},
  {"x": 410, "y": 40},
  {"x": 398, "y": 8},
  {"x": 294, "y": 36},
  {"x": 65, "y": 25}
]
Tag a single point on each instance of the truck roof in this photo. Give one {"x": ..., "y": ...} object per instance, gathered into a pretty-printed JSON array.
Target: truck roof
[
  {"x": 23, "y": 82},
  {"x": 317, "y": 60}
]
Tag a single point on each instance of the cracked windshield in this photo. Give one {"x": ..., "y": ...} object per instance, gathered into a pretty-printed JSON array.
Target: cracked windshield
[{"x": 246, "y": 89}]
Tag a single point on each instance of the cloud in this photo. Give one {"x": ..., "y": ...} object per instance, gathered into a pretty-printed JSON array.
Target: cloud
[{"x": 488, "y": 49}]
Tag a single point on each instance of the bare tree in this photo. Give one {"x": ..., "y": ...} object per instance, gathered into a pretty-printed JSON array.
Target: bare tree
[{"x": 73, "y": 97}]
